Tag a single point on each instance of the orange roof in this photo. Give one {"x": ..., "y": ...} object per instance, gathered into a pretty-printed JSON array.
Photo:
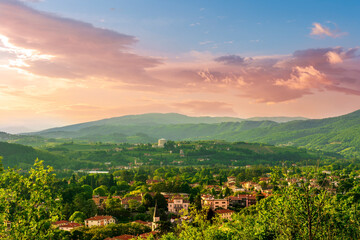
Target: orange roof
[
  {"x": 222, "y": 211},
  {"x": 96, "y": 218},
  {"x": 71, "y": 224},
  {"x": 60, "y": 222}
]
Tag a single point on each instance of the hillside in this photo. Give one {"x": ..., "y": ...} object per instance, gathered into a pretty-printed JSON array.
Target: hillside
[
  {"x": 338, "y": 134},
  {"x": 16, "y": 155},
  {"x": 157, "y": 119}
]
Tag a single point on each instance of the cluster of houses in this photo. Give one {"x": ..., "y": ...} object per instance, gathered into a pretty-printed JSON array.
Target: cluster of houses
[{"x": 179, "y": 203}]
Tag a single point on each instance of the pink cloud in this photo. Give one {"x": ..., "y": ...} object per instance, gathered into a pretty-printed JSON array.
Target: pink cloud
[
  {"x": 323, "y": 31},
  {"x": 50, "y": 46},
  {"x": 74, "y": 49},
  {"x": 273, "y": 79}
]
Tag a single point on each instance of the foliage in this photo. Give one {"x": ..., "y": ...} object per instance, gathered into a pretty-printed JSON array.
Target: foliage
[{"x": 29, "y": 203}]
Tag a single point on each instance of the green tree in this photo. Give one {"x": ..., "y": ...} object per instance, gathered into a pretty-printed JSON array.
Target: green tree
[
  {"x": 160, "y": 200},
  {"x": 78, "y": 217},
  {"x": 147, "y": 200},
  {"x": 100, "y": 191},
  {"x": 29, "y": 203},
  {"x": 133, "y": 204}
]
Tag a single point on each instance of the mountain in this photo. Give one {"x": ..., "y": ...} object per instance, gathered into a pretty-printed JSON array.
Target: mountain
[
  {"x": 157, "y": 119},
  {"x": 338, "y": 134},
  {"x": 276, "y": 119}
]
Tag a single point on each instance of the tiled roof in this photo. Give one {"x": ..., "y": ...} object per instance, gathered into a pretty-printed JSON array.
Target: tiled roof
[
  {"x": 71, "y": 224},
  {"x": 60, "y": 222},
  {"x": 96, "y": 218},
  {"x": 221, "y": 211}
]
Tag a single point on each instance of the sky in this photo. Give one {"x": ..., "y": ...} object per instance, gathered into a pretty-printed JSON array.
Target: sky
[{"x": 69, "y": 61}]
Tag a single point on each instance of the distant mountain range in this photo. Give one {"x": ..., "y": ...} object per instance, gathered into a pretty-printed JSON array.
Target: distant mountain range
[
  {"x": 152, "y": 119},
  {"x": 338, "y": 134}
]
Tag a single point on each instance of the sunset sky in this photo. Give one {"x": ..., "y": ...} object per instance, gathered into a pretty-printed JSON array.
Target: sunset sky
[{"x": 70, "y": 61}]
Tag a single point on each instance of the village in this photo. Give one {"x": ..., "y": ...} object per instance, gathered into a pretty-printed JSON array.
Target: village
[{"x": 222, "y": 201}]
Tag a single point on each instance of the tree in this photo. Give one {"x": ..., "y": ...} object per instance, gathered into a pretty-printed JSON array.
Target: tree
[
  {"x": 78, "y": 217},
  {"x": 29, "y": 203},
  {"x": 100, "y": 191},
  {"x": 133, "y": 204},
  {"x": 88, "y": 190},
  {"x": 160, "y": 200},
  {"x": 147, "y": 200}
]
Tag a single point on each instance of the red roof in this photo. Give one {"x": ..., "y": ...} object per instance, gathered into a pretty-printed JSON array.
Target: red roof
[
  {"x": 222, "y": 211},
  {"x": 97, "y": 218},
  {"x": 71, "y": 225},
  {"x": 61, "y": 222}
]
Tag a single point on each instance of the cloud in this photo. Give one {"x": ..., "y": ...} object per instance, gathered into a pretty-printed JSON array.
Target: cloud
[
  {"x": 63, "y": 48},
  {"x": 282, "y": 78},
  {"x": 323, "y": 31},
  {"x": 230, "y": 59},
  {"x": 61, "y": 55},
  {"x": 198, "y": 107},
  {"x": 304, "y": 78}
]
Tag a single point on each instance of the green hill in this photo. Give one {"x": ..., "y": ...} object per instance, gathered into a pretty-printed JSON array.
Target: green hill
[
  {"x": 338, "y": 134},
  {"x": 16, "y": 155}
]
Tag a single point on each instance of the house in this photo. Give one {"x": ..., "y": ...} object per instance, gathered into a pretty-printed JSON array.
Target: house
[
  {"x": 161, "y": 142},
  {"x": 70, "y": 226},
  {"x": 177, "y": 204},
  {"x": 99, "y": 221},
  {"x": 215, "y": 203},
  {"x": 242, "y": 200},
  {"x": 60, "y": 223},
  {"x": 225, "y": 213},
  {"x": 249, "y": 185}
]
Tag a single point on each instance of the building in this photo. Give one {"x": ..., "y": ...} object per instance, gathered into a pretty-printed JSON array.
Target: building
[
  {"x": 242, "y": 200},
  {"x": 225, "y": 213},
  {"x": 70, "y": 226},
  {"x": 177, "y": 204},
  {"x": 99, "y": 221},
  {"x": 60, "y": 223},
  {"x": 161, "y": 142},
  {"x": 214, "y": 203}
]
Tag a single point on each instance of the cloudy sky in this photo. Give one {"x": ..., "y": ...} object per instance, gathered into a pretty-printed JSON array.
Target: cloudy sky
[{"x": 70, "y": 61}]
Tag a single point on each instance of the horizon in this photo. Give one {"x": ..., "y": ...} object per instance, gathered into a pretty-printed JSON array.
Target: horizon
[
  {"x": 23, "y": 129},
  {"x": 64, "y": 62}
]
